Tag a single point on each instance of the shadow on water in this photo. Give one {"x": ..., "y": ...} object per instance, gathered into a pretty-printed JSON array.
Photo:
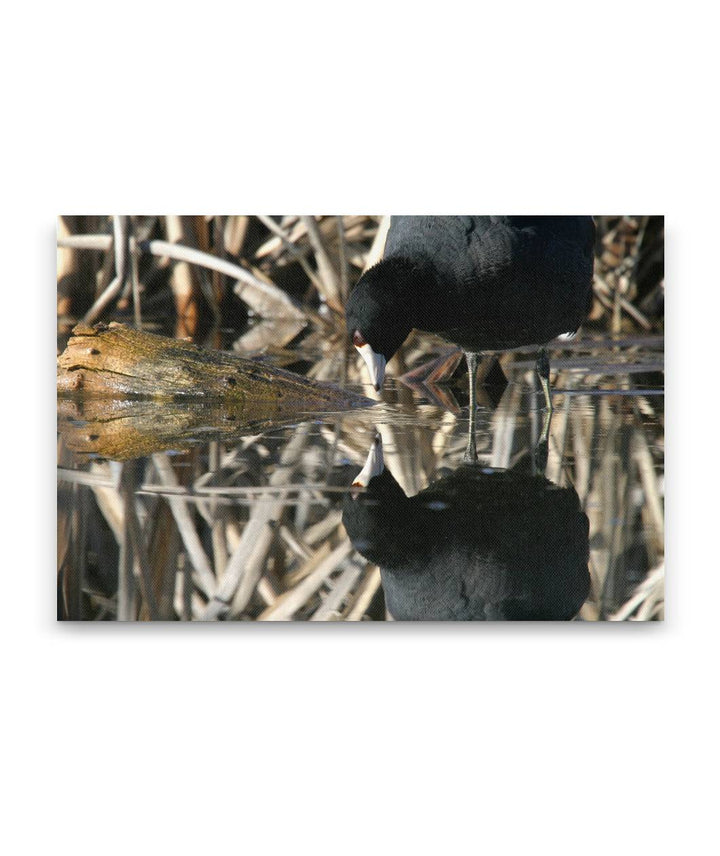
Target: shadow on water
[{"x": 169, "y": 513}]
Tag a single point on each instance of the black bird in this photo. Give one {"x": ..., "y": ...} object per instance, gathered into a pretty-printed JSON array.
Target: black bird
[
  {"x": 483, "y": 283},
  {"x": 476, "y": 545}
]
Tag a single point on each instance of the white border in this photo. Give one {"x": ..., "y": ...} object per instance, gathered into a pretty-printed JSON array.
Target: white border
[{"x": 590, "y": 739}]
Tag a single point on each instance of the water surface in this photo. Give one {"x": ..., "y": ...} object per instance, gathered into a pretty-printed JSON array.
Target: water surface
[{"x": 245, "y": 521}]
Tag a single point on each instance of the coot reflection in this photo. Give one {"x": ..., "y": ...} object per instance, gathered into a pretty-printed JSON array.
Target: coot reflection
[{"x": 476, "y": 545}]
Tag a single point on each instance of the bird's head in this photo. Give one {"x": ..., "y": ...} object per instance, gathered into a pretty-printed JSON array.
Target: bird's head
[{"x": 378, "y": 316}]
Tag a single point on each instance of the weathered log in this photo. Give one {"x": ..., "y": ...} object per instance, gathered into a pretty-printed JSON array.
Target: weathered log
[{"x": 116, "y": 361}]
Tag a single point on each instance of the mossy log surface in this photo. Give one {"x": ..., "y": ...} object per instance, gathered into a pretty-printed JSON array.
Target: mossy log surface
[{"x": 115, "y": 361}]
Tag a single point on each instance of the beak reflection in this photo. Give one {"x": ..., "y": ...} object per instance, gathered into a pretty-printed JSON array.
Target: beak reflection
[{"x": 374, "y": 466}]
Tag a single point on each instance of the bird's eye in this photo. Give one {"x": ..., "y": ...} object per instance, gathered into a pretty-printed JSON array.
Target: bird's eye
[{"x": 358, "y": 339}]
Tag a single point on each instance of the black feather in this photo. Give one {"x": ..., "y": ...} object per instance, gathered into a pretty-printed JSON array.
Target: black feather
[{"x": 483, "y": 283}]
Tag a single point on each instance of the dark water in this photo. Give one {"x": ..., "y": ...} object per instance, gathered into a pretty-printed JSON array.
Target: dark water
[{"x": 261, "y": 521}]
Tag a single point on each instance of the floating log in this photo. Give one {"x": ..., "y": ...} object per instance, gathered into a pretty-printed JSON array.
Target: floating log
[{"x": 116, "y": 361}]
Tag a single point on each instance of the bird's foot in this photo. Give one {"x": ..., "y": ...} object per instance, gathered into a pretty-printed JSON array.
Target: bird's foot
[
  {"x": 438, "y": 370},
  {"x": 425, "y": 380}
]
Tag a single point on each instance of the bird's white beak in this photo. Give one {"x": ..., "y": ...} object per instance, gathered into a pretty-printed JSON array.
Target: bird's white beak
[
  {"x": 375, "y": 363},
  {"x": 374, "y": 465}
]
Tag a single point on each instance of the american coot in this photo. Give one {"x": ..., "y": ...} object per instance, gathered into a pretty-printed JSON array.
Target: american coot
[
  {"x": 476, "y": 545},
  {"x": 483, "y": 283}
]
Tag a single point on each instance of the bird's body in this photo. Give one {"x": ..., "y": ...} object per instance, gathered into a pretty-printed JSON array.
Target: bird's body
[
  {"x": 483, "y": 283},
  {"x": 493, "y": 283}
]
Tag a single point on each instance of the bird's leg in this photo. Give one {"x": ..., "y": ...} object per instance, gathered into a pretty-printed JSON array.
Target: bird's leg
[
  {"x": 472, "y": 364},
  {"x": 543, "y": 369},
  {"x": 540, "y": 455}
]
